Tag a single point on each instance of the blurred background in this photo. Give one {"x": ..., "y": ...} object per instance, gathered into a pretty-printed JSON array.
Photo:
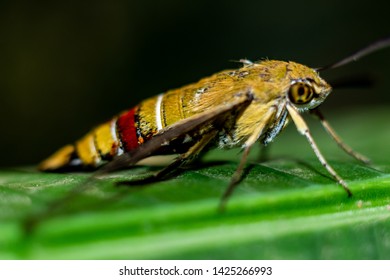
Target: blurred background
[{"x": 69, "y": 65}]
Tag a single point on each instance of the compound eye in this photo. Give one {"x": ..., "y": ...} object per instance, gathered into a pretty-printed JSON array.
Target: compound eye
[{"x": 300, "y": 93}]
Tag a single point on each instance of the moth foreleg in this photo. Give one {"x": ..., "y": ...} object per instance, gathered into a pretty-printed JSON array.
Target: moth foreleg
[
  {"x": 304, "y": 130},
  {"x": 338, "y": 140}
]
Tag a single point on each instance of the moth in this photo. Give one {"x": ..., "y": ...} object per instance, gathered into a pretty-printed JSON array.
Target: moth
[{"x": 232, "y": 108}]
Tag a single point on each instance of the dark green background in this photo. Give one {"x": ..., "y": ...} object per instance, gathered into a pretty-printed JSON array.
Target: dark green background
[{"x": 68, "y": 65}]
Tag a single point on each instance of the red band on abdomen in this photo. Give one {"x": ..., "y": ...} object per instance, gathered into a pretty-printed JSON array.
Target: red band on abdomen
[{"x": 127, "y": 130}]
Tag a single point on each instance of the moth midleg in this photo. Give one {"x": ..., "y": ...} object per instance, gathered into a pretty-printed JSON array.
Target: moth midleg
[
  {"x": 181, "y": 160},
  {"x": 337, "y": 138},
  {"x": 304, "y": 130},
  {"x": 263, "y": 154},
  {"x": 248, "y": 145}
]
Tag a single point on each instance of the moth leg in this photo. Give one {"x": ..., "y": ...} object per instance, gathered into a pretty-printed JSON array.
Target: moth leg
[
  {"x": 237, "y": 176},
  {"x": 304, "y": 130},
  {"x": 181, "y": 160},
  {"x": 263, "y": 153},
  {"x": 338, "y": 140}
]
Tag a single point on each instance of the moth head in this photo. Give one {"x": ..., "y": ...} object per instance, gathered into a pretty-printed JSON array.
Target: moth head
[{"x": 307, "y": 93}]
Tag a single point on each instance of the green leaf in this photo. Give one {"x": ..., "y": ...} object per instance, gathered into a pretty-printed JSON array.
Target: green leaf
[{"x": 285, "y": 208}]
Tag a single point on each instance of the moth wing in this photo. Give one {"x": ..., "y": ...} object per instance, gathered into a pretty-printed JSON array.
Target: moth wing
[{"x": 178, "y": 129}]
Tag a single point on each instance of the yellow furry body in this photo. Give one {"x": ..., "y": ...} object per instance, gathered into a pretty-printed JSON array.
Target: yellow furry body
[{"x": 267, "y": 81}]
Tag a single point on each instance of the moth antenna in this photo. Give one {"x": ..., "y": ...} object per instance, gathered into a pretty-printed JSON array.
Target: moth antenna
[{"x": 373, "y": 47}]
